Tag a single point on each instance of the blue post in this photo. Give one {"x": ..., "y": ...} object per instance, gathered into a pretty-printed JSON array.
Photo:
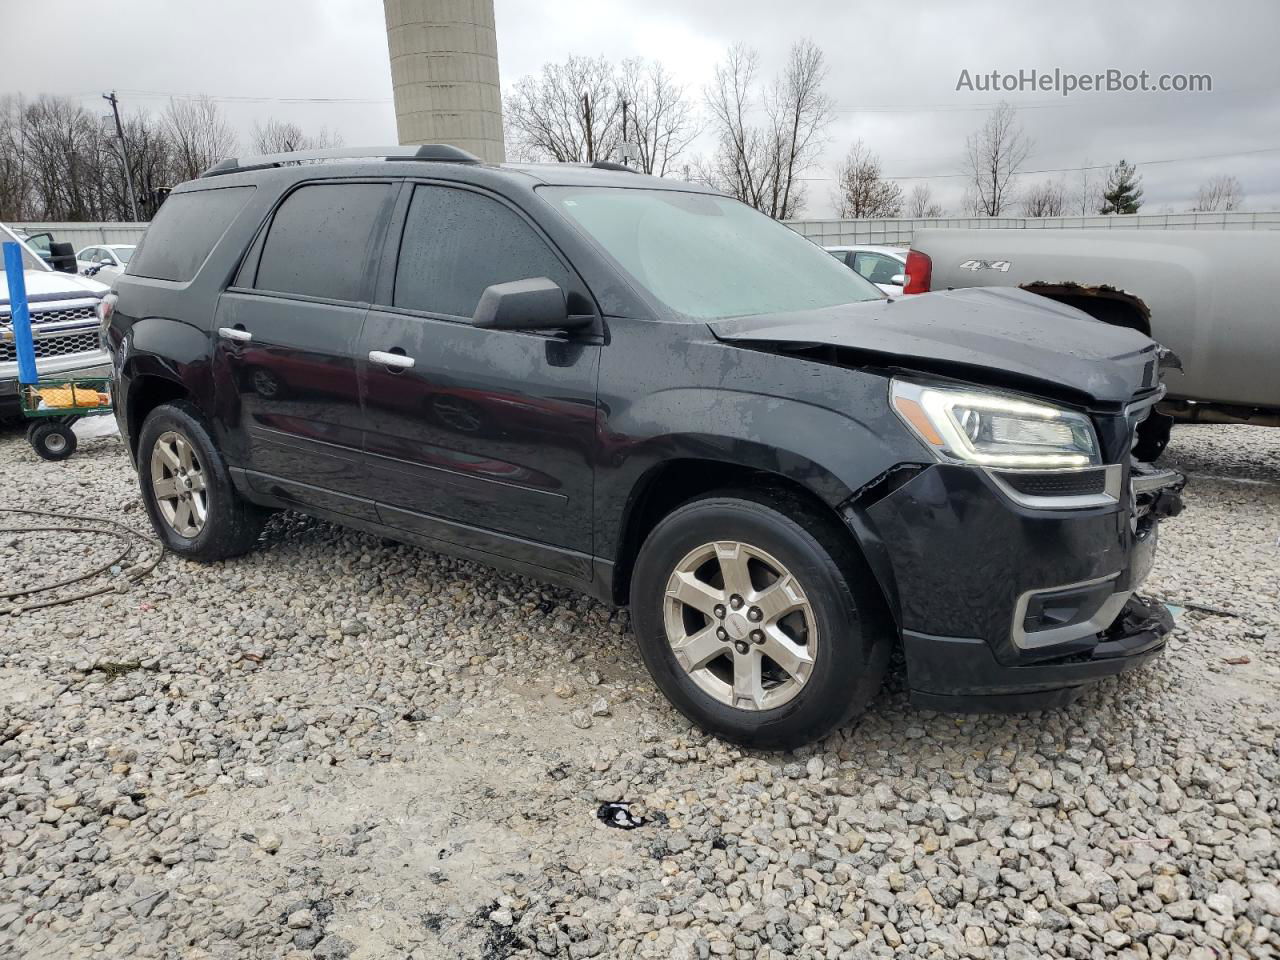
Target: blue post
[{"x": 20, "y": 315}]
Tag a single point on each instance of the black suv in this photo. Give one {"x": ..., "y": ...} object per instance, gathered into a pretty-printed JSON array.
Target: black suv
[{"x": 650, "y": 392}]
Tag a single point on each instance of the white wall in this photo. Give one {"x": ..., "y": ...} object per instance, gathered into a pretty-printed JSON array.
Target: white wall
[
  {"x": 81, "y": 235},
  {"x": 824, "y": 232},
  {"x": 831, "y": 233}
]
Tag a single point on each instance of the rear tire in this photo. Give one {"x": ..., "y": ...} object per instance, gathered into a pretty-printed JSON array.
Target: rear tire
[
  {"x": 51, "y": 440},
  {"x": 840, "y": 638},
  {"x": 187, "y": 490}
]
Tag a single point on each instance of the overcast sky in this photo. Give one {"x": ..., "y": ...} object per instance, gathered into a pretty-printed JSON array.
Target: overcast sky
[{"x": 893, "y": 71}]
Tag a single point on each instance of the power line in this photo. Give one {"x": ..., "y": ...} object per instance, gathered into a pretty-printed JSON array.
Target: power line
[{"x": 158, "y": 94}]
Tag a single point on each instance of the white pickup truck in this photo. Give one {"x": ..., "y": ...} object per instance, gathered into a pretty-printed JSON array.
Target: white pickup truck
[
  {"x": 1203, "y": 295},
  {"x": 64, "y": 324}
]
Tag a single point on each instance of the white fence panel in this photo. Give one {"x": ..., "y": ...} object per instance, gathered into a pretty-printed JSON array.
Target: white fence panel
[
  {"x": 827, "y": 233},
  {"x": 899, "y": 232},
  {"x": 81, "y": 235}
]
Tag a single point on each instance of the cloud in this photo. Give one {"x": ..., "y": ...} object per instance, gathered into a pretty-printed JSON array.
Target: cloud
[{"x": 893, "y": 70}]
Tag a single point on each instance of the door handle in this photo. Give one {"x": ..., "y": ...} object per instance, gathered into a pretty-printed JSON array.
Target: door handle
[
  {"x": 235, "y": 333},
  {"x": 397, "y": 360}
]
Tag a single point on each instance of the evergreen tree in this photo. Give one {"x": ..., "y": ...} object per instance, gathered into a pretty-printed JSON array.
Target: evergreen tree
[{"x": 1124, "y": 190}]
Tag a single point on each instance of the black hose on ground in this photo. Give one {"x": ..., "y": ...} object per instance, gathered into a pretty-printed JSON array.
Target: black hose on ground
[{"x": 76, "y": 523}]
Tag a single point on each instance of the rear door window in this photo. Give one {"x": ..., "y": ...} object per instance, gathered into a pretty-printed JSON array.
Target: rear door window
[
  {"x": 323, "y": 241},
  {"x": 184, "y": 232},
  {"x": 457, "y": 242}
]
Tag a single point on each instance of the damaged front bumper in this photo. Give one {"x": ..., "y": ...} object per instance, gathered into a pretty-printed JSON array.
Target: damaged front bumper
[{"x": 1017, "y": 603}]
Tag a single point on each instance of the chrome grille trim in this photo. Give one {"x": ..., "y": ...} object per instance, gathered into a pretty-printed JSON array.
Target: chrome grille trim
[{"x": 52, "y": 344}]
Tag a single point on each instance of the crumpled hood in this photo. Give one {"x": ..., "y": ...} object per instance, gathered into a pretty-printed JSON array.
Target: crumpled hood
[
  {"x": 54, "y": 285},
  {"x": 996, "y": 335}
]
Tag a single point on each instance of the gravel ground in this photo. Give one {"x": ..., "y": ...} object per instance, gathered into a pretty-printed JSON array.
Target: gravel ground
[{"x": 339, "y": 747}]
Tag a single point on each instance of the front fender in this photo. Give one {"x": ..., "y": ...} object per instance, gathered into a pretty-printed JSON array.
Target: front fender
[{"x": 830, "y": 453}]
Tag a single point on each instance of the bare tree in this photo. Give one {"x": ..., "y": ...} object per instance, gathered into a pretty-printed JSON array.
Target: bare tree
[
  {"x": 570, "y": 113},
  {"x": 1087, "y": 197},
  {"x": 1220, "y": 193},
  {"x": 284, "y": 136},
  {"x": 58, "y": 161},
  {"x": 738, "y": 165},
  {"x": 861, "y": 190},
  {"x": 200, "y": 136},
  {"x": 763, "y": 164},
  {"x": 152, "y": 159},
  {"x": 993, "y": 155},
  {"x": 15, "y": 173},
  {"x": 659, "y": 115},
  {"x": 921, "y": 204},
  {"x": 800, "y": 114},
  {"x": 63, "y": 144},
  {"x": 1047, "y": 199}
]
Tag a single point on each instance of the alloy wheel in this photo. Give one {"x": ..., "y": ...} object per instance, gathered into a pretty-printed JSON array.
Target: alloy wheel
[
  {"x": 740, "y": 625},
  {"x": 178, "y": 483}
]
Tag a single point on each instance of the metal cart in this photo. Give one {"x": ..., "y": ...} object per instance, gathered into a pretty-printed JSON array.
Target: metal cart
[{"x": 54, "y": 405}]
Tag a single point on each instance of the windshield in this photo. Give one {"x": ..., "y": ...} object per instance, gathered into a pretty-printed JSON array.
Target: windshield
[
  {"x": 123, "y": 253},
  {"x": 707, "y": 257},
  {"x": 29, "y": 259}
]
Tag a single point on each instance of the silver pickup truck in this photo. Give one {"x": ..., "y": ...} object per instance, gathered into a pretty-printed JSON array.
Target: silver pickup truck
[
  {"x": 1204, "y": 295},
  {"x": 64, "y": 324}
]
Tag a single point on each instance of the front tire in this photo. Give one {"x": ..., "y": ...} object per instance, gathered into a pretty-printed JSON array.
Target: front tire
[
  {"x": 187, "y": 489},
  {"x": 758, "y": 620}
]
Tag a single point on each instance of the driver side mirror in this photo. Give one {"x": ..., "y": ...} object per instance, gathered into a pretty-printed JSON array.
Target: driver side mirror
[
  {"x": 533, "y": 304},
  {"x": 62, "y": 256},
  {"x": 898, "y": 279}
]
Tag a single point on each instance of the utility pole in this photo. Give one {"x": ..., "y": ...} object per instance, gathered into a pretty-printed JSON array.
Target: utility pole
[
  {"x": 124, "y": 153},
  {"x": 586, "y": 115}
]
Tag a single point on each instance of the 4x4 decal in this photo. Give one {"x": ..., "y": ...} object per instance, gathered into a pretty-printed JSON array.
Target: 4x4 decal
[{"x": 1001, "y": 265}]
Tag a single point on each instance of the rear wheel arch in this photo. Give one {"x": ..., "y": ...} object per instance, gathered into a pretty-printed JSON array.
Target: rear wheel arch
[
  {"x": 1104, "y": 303},
  {"x": 146, "y": 392}
]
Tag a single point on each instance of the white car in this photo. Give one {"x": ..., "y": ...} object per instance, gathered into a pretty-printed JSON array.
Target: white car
[
  {"x": 104, "y": 261},
  {"x": 883, "y": 266}
]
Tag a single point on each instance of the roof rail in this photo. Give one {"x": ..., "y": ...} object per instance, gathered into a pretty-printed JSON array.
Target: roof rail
[
  {"x": 610, "y": 165},
  {"x": 442, "y": 152}
]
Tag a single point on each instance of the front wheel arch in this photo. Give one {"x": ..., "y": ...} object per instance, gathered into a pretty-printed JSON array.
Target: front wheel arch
[{"x": 669, "y": 485}]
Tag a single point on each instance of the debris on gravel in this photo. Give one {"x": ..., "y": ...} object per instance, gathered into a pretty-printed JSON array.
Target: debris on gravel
[{"x": 336, "y": 747}]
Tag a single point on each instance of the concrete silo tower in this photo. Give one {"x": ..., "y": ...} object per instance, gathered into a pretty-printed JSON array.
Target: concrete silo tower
[{"x": 444, "y": 72}]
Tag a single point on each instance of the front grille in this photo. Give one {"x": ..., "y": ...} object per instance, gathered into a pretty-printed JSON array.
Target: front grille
[
  {"x": 1057, "y": 484},
  {"x": 76, "y": 340},
  {"x": 73, "y": 341},
  {"x": 56, "y": 316},
  {"x": 38, "y": 316}
]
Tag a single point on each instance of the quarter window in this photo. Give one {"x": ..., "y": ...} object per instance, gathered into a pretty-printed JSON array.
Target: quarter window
[
  {"x": 184, "y": 231},
  {"x": 322, "y": 241},
  {"x": 456, "y": 243}
]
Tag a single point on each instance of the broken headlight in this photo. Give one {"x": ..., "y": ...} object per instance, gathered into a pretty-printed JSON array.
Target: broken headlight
[{"x": 994, "y": 429}]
